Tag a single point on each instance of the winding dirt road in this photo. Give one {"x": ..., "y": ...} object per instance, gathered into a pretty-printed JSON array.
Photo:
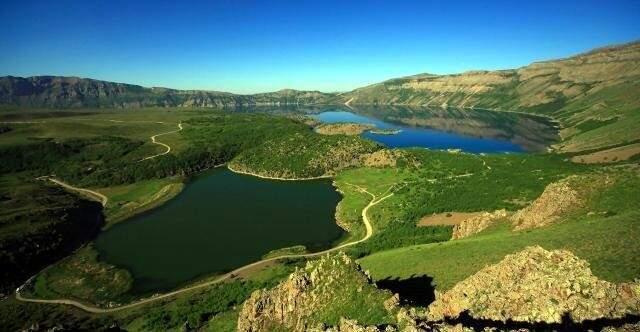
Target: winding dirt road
[
  {"x": 93, "y": 309},
  {"x": 100, "y": 197},
  {"x": 154, "y": 141}
]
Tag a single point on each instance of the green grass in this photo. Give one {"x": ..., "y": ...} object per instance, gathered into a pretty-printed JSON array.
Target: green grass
[
  {"x": 82, "y": 276},
  {"x": 591, "y": 124},
  {"x": 209, "y": 308},
  {"x": 294, "y": 250},
  {"x": 128, "y": 200},
  {"x": 223, "y": 322},
  {"x": 339, "y": 290},
  {"x": 442, "y": 182},
  {"x": 39, "y": 224},
  {"x": 304, "y": 154},
  {"x": 589, "y": 237}
]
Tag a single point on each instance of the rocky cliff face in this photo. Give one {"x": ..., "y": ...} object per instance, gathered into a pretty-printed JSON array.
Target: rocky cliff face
[
  {"x": 319, "y": 294},
  {"x": 533, "y": 286},
  {"x": 74, "y": 92}
]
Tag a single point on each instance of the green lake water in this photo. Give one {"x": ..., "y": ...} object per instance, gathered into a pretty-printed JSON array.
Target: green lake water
[{"x": 220, "y": 221}]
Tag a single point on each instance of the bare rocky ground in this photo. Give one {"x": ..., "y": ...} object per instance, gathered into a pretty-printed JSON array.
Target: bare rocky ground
[
  {"x": 342, "y": 128},
  {"x": 333, "y": 282},
  {"x": 558, "y": 198},
  {"x": 536, "y": 285},
  {"x": 526, "y": 291},
  {"x": 477, "y": 224}
]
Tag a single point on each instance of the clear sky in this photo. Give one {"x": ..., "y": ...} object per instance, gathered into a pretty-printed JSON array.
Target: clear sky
[{"x": 249, "y": 46}]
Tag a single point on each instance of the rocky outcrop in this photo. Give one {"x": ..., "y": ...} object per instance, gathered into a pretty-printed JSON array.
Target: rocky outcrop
[
  {"x": 536, "y": 285},
  {"x": 342, "y": 128},
  {"x": 333, "y": 283},
  {"x": 477, "y": 223},
  {"x": 557, "y": 199}
]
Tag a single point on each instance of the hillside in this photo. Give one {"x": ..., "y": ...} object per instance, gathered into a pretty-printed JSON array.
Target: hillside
[
  {"x": 594, "y": 96},
  {"x": 74, "y": 92},
  {"x": 591, "y": 94}
]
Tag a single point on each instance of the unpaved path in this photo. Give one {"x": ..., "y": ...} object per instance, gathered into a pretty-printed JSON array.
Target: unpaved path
[
  {"x": 93, "y": 309},
  {"x": 154, "y": 141},
  {"x": 102, "y": 198}
]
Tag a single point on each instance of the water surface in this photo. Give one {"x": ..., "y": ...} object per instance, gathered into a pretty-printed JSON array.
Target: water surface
[
  {"x": 220, "y": 221},
  {"x": 469, "y": 130}
]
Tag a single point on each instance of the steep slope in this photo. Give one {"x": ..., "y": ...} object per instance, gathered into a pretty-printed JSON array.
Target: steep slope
[
  {"x": 594, "y": 96},
  {"x": 591, "y": 94},
  {"x": 323, "y": 292},
  {"x": 70, "y": 92}
]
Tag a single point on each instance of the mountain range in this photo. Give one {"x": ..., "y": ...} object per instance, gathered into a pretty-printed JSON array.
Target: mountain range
[{"x": 595, "y": 96}]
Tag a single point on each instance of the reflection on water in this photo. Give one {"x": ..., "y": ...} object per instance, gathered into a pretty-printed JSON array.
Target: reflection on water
[{"x": 471, "y": 130}]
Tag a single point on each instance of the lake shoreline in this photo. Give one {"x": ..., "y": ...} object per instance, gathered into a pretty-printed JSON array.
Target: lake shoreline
[
  {"x": 237, "y": 171},
  {"x": 223, "y": 201}
]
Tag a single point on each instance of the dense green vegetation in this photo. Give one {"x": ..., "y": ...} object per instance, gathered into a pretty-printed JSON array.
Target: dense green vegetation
[
  {"x": 82, "y": 276},
  {"x": 213, "y": 306},
  {"x": 210, "y": 140},
  {"x": 304, "y": 154},
  {"x": 588, "y": 235},
  {"x": 442, "y": 182},
  {"x": 401, "y": 235},
  {"x": 39, "y": 224}
]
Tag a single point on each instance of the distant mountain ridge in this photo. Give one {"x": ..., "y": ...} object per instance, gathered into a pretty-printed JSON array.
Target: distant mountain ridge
[
  {"x": 74, "y": 92},
  {"x": 595, "y": 96},
  {"x": 540, "y": 86}
]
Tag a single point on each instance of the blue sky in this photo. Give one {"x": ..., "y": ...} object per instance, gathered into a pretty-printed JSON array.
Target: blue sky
[{"x": 249, "y": 46}]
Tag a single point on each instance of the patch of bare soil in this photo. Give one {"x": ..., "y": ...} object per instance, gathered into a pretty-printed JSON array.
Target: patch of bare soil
[
  {"x": 609, "y": 156},
  {"x": 446, "y": 218}
]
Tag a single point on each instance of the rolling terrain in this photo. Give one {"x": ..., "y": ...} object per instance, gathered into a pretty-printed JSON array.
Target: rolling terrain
[
  {"x": 75, "y": 92},
  {"x": 594, "y": 96},
  {"x": 546, "y": 240}
]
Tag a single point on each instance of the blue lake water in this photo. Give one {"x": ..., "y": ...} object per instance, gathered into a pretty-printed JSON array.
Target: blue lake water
[{"x": 471, "y": 132}]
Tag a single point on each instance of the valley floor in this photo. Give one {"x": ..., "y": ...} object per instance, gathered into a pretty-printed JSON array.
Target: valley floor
[{"x": 401, "y": 217}]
